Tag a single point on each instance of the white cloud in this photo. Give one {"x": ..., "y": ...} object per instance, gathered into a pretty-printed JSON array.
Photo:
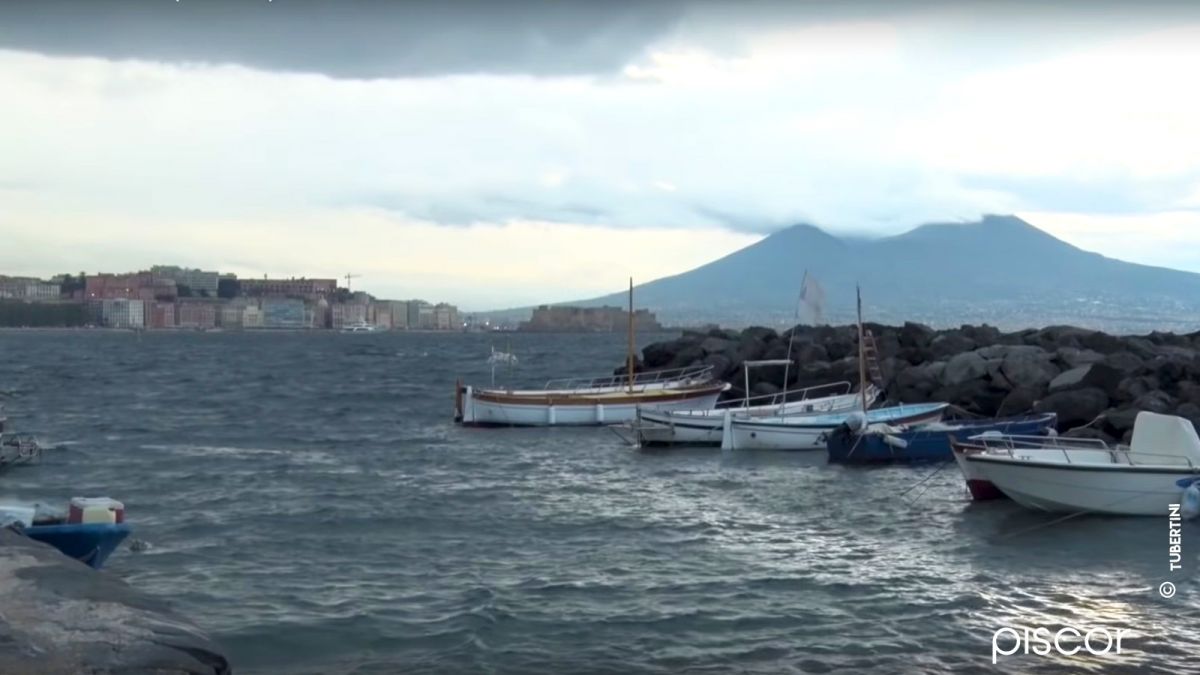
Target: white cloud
[
  {"x": 869, "y": 126},
  {"x": 1167, "y": 239}
]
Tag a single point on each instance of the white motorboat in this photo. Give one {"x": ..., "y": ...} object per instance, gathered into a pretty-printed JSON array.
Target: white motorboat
[
  {"x": 811, "y": 432},
  {"x": 705, "y": 427},
  {"x": 1089, "y": 476}
]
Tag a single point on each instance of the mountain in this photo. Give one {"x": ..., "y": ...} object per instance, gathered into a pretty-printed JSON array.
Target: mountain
[{"x": 1001, "y": 270}]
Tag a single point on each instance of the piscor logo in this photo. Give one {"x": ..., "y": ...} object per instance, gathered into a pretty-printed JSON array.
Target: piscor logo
[{"x": 1068, "y": 641}]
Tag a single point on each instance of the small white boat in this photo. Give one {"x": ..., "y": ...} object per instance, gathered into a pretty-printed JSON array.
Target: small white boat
[
  {"x": 589, "y": 401},
  {"x": 498, "y": 358},
  {"x": 811, "y": 432},
  {"x": 1089, "y": 476},
  {"x": 705, "y": 427},
  {"x": 359, "y": 327}
]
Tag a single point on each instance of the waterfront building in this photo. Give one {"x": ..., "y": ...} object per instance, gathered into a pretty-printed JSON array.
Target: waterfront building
[
  {"x": 310, "y": 289},
  {"x": 196, "y": 313},
  {"x": 426, "y": 317},
  {"x": 445, "y": 317},
  {"x": 283, "y": 313},
  {"x": 348, "y": 313},
  {"x": 380, "y": 315},
  {"x": 160, "y": 315},
  {"x": 589, "y": 319},
  {"x": 399, "y": 314},
  {"x": 112, "y": 286},
  {"x": 252, "y": 317},
  {"x": 200, "y": 282},
  {"x": 414, "y": 312},
  {"x": 29, "y": 289},
  {"x": 230, "y": 315},
  {"x": 123, "y": 313}
]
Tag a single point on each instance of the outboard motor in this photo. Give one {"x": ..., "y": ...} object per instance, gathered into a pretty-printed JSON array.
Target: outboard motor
[{"x": 1191, "y": 501}]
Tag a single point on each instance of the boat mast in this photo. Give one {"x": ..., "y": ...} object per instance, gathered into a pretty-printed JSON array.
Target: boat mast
[
  {"x": 791, "y": 339},
  {"x": 862, "y": 352},
  {"x": 629, "y": 366}
]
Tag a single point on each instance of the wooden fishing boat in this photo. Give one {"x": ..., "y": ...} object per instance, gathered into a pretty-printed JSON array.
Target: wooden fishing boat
[
  {"x": 589, "y": 401},
  {"x": 1075, "y": 475},
  {"x": 882, "y": 444}
]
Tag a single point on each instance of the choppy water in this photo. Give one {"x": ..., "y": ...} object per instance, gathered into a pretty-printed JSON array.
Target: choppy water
[{"x": 311, "y": 505}]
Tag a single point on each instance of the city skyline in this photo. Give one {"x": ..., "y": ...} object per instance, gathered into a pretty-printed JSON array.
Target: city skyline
[{"x": 533, "y": 153}]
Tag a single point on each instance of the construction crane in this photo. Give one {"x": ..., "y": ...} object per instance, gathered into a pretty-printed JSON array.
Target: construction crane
[{"x": 348, "y": 277}]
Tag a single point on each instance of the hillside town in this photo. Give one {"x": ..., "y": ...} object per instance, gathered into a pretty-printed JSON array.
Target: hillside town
[{"x": 170, "y": 297}]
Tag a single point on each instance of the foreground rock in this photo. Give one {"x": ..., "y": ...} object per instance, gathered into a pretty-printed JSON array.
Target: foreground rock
[
  {"x": 1087, "y": 377},
  {"x": 58, "y": 616}
]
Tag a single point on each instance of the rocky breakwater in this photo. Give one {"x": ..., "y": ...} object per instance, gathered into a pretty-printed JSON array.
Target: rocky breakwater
[
  {"x": 59, "y": 616},
  {"x": 1087, "y": 377}
]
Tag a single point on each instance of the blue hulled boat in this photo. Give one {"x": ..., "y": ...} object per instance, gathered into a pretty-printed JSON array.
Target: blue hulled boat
[
  {"x": 89, "y": 543},
  {"x": 89, "y": 532},
  {"x": 924, "y": 443}
]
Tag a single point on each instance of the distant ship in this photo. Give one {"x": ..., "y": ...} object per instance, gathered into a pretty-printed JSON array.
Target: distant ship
[{"x": 359, "y": 327}]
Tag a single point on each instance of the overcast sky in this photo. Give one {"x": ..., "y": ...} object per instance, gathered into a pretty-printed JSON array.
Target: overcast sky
[{"x": 502, "y": 153}]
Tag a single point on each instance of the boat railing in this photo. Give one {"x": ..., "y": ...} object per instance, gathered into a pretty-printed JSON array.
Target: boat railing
[
  {"x": 641, "y": 380},
  {"x": 1068, "y": 445},
  {"x": 794, "y": 395}
]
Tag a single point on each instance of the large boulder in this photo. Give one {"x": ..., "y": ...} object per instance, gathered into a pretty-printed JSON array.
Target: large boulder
[
  {"x": 60, "y": 617},
  {"x": 1155, "y": 401},
  {"x": 1071, "y": 379},
  {"x": 1133, "y": 388},
  {"x": 915, "y": 336},
  {"x": 751, "y": 348},
  {"x": 1097, "y": 375},
  {"x": 718, "y": 345},
  {"x": 1020, "y": 400},
  {"x": 1071, "y": 357},
  {"x": 1191, "y": 412},
  {"x": 1002, "y": 351},
  {"x": 982, "y": 334},
  {"x": 759, "y": 333},
  {"x": 660, "y": 354},
  {"x": 722, "y": 366},
  {"x": 1101, "y": 342},
  {"x": 950, "y": 344},
  {"x": 1140, "y": 347},
  {"x": 1125, "y": 362},
  {"x": 808, "y": 352},
  {"x": 963, "y": 368},
  {"x": 1120, "y": 421},
  {"x": 1075, "y": 407},
  {"x": 1029, "y": 369},
  {"x": 974, "y": 396},
  {"x": 687, "y": 356}
]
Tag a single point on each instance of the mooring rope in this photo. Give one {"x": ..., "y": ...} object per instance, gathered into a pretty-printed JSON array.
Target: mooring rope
[{"x": 921, "y": 482}]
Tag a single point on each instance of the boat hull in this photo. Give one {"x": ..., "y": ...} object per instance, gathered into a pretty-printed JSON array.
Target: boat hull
[
  {"x": 1111, "y": 489},
  {"x": 89, "y": 543},
  {"x": 925, "y": 445},
  {"x": 491, "y": 409},
  {"x": 705, "y": 427},
  {"x": 981, "y": 489},
  {"x": 800, "y": 435}
]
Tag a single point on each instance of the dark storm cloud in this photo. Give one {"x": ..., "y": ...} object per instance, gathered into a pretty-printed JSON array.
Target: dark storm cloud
[{"x": 348, "y": 38}]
